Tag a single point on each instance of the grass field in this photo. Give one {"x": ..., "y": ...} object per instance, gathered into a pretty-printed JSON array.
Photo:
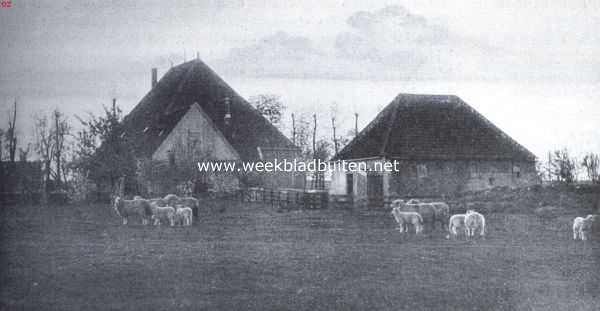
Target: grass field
[{"x": 255, "y": 258}]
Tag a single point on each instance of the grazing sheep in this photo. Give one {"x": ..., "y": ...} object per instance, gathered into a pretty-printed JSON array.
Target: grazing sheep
[
  {"x": 582, "y": 227},
  {"x": 183, "y": 215},
  {"x": 456, "y": 221},
  {"x": 162, "y": 214},
  {"x": 431, "y": 212},
  {"x": 426, "y": 211},
  {"x": 473, "y": 222},
  {"x": 126, "y": 208},
  {"x": 191, "y": 202},
  {"x": 408, "y": 218},
  {"x": 442, "y": 213}
]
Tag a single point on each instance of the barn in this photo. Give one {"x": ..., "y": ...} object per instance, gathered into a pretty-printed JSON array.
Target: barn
[
  {"x": 442, "y": 147},
  {"x": 191, "y": 115}
]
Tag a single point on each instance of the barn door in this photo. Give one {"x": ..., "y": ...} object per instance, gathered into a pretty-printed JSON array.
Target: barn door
[{"x": 375, "y": 190}]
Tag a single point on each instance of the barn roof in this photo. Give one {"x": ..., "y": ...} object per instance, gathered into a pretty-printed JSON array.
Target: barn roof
[
  {"x": 422, "y": 127},
  {"x": 151, "y": 121}
]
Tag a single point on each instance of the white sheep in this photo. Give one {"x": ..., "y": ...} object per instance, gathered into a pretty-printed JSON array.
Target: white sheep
[
  {"x": 408, "y": 218},
  {"x": 582, "y": 227},
  {"x": 474, "y": 221},
  {"x": 455, "y": 222}
]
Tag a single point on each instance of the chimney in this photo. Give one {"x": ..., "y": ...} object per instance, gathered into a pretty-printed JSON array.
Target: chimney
[
  {"x": 227, "y": 117},
  {"x": 154, "y": 77}
]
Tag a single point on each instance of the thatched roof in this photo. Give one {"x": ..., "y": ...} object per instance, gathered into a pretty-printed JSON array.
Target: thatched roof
[
  {"x": 423, "y": 127},
  {"x": 151, "y": 121}
]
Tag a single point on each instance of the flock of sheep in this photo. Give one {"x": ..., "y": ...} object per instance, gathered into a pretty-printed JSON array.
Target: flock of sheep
[
  {"x": 175, "y": 210},
  {"x": 171, "y": 209},
  {"x": 415, "y": 213}
]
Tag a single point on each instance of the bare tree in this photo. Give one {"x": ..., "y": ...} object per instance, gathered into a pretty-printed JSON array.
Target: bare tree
[
  {"x": 1, "y": 150},
  {"x": 314, "y": 135},
  {"x": 61, "y": 130},
  {"x": 334, "y": 112},
  {"x": 355, "y": 124},
  {"x": 11, "y": 135},
  {"x": 301, "y": 134},
  {"x": 24, "y": 153},
  {"x": 293, "y": 129},
  {"x": 562, "y": 166},
  {"x": 591, "y": 163},
  {"x": 270, "y": 106},
  {"x": 43, "y": 146}
]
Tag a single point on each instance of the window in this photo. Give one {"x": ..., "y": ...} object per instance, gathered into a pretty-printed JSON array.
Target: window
[
  {"x": 491, "y": 181},
  {"x": 421, "y": 171},
  {"x": 349, "y": 184},
  {"x": 517, "y": 171}
]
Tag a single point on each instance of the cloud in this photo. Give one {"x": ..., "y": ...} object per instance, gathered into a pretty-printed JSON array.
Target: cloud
[
  {"x": 277, "y": 55},
  {"x": 389, "y": 43}
]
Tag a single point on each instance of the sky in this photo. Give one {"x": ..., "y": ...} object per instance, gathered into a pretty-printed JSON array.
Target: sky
[{"x": 528, "y": 66}]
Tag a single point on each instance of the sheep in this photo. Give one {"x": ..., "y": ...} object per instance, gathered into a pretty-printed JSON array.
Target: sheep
[
  {"x": 582, "y": 227},
  {"x": 126, "y": 208},
  {"x": 191, "y": 202},
  {"x": 183, "y": 215},
  {"x": 455, "y": 222},
  {"x": 408, "y": 218},
  {"x": 162, "y": 214},
  {"x": 430, "y": 212},
  {"x": 474, "y": 221}
]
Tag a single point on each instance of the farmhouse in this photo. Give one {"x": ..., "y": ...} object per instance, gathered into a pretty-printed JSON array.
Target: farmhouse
[
  {"x": 192, "y": 115},
  {"x": 443, "y": 147}
]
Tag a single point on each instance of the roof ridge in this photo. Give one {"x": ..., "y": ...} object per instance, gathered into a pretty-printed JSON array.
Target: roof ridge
[
  {"x": 433, "y": 126},
  {"x": 498, "y": 131},
  {"x": 180, "y": 85},
  {"x": 177, "y": 90}
]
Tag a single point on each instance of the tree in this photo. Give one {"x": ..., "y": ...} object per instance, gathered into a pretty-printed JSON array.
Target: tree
[
  {"x": 60, "y": 132},
  {"x": 43, "y": 146},
  {"x": 293, "y": 129},
  {"x": 24, "y": 153},
  {"x": 270, "y": 106},
  {"x": 1, "y": 150},
  {"x": 323, "y": 150},
  {"x": 334, "y": 138},
  {"x": 301, "y": 134},
  {"x": 11, "y": 134},
  {"x": 591, "y": 163},
  {"x": 355, "y": 124},
  {"x": 103, "y": 151},
  {"x": 562, "y": 166}
]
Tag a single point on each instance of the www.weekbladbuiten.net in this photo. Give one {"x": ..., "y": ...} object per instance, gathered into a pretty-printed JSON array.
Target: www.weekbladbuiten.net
[{"x": 297, "y": 166}]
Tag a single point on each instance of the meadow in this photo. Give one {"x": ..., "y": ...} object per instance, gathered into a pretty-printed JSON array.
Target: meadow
[{"x": 252, "y": 257}]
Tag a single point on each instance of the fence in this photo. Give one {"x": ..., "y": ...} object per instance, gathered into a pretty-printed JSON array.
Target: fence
[{"x": 285, "y": 198}]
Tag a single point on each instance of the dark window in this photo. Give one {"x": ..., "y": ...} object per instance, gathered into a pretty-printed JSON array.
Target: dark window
[
  {"x": 491, "y": 181},
  {"x": 349, "y": 183},
  {"x": 517, "y": 171}
]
